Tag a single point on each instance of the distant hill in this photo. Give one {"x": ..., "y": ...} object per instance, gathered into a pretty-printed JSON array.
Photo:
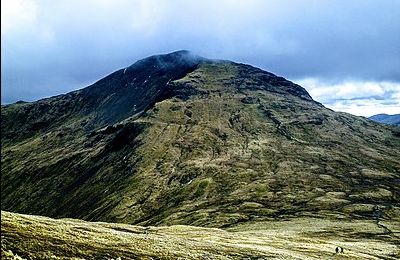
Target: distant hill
[
  {"x": 387, "y": 119},
  {"x": 181, "y": 139}
]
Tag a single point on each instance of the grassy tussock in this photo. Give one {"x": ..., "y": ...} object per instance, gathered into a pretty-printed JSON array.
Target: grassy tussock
[{"x": 34, "y": 237}]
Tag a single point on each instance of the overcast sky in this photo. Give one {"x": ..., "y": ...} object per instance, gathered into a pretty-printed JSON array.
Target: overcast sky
[{"x": 346, "y": 53}]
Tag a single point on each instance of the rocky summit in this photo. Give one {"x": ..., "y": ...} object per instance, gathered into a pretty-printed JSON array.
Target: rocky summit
[{"x": 179, "y": 139}]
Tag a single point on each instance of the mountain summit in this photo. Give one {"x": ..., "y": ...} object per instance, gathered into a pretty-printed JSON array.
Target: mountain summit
[{"x": 181, "y": 139}]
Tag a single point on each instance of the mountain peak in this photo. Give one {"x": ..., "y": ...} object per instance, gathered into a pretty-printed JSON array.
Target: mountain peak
[
  {"x": 179, "y": 139},
  {"x": 173, "y": 60},
  {"x": 132, "y": 90}
]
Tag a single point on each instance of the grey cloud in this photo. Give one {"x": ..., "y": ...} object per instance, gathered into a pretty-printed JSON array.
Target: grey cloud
[
  {"x": 388, "y": 96},
  {"x": 71, "y": 44}
]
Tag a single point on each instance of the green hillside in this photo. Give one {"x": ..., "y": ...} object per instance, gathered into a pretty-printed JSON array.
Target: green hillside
[{"x": 179, "y": 139}]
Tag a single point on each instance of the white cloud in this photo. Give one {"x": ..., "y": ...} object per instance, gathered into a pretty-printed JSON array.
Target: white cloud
[
  {"x": 148, "y": 15},
  {"x": 16, "y": 14},
  {"x": 365, "y": 98},
  {"x": 365, "y": 108}
]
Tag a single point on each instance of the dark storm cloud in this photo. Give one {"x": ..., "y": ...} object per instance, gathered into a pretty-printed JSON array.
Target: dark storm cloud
[{"x": 51, "y": 47}]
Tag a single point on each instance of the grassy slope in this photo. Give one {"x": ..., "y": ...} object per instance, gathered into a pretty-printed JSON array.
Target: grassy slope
[
  {"x": 34, "y": 237},
  {"x": 228, "y": 144},
  {"x": 230, "y": 156}
]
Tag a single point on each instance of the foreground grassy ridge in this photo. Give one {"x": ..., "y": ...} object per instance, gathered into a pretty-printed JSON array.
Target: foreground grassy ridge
[{"x": 34, "y": 237}]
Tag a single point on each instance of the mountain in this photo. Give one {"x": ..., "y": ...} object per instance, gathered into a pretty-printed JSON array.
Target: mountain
[
  {"x": 387, "y": 119},
  {"x": 181, "y": 139}
]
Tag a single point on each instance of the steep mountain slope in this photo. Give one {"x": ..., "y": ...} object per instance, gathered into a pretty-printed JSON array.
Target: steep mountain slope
[
  {"x": 387, "y": 119},
  {"x": 179, "y": 139},
  {"x": 120, "y": 95}
]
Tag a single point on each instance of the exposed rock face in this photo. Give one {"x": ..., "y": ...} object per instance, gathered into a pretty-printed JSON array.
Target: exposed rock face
[{"x": 179, "y": 139}]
